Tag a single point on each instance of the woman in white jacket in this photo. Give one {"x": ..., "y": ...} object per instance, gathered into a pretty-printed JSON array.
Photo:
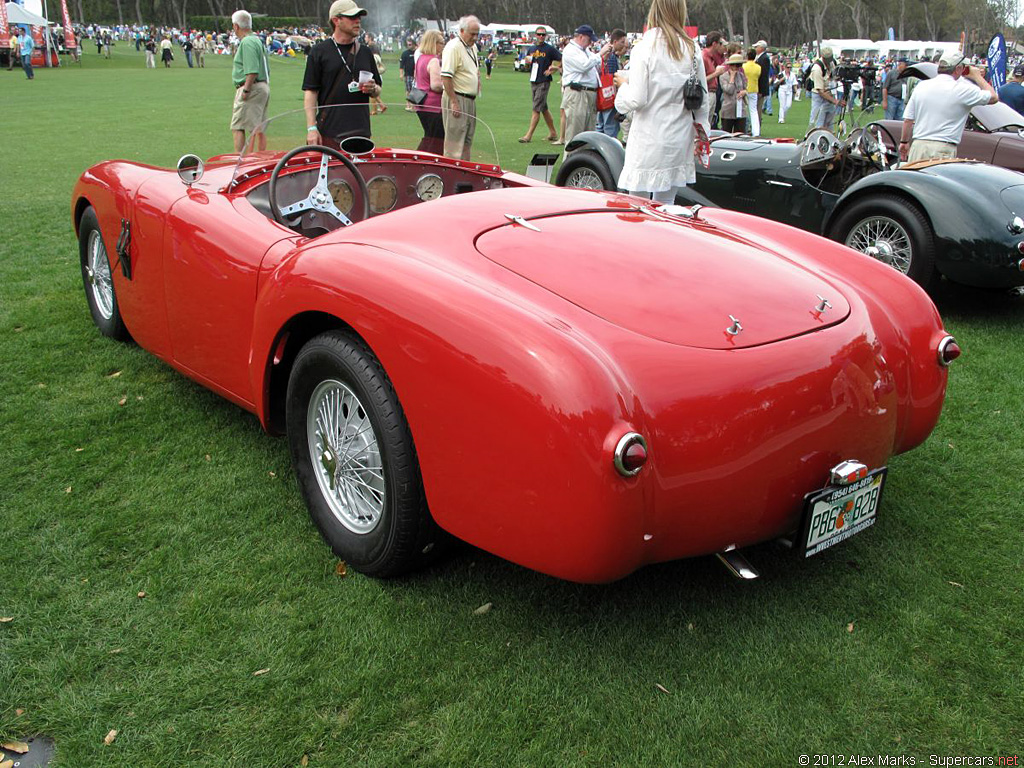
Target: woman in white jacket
[{"x": 662, "y": 139}]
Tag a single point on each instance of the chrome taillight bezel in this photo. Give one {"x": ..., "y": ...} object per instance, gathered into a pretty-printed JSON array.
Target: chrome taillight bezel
[{"x": 627, "y": 440}]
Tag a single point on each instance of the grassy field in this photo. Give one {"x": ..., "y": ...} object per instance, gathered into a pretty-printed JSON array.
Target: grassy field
[{"x": 120, "y": 478}]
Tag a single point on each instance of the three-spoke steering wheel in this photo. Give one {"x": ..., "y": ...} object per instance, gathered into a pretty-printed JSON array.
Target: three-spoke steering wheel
[
  {"x": 876, "y": 138},
  {"x": 319, "y": 197}
]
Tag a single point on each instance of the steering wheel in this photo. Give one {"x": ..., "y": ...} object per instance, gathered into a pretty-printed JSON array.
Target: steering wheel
[
  {"x": 876, "y": 138},
  {"x": 319, "y": 197}
]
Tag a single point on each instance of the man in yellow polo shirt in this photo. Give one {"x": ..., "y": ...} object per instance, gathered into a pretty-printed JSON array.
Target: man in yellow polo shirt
[{"x": 460, "y": 76}]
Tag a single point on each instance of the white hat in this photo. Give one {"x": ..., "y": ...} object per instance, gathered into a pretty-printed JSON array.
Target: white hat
[
  {"x": 760, "y": 44},
  {"x": 345, "y": 8},
  {"x": 951, "y": 59}
]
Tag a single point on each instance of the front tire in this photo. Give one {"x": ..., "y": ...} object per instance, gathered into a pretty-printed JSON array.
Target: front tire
[
  {"x": 355, "y": 460},
  {"x": 894, "y": 231},
  {"x": 585, "y": 170},
  {"x": 98, "y": 278}
]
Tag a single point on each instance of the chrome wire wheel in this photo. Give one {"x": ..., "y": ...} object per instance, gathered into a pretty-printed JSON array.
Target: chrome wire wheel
[
  {"x": 345, "y": 455},
  {"x": 98, "y": 274},
  {"x": 584, "y": 178},
  {"x": 884, "y": 239}
]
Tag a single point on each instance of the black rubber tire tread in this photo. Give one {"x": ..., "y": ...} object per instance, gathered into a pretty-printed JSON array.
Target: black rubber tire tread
[
  {"x": 909, "y": 216},
  {"x": 407, "y": 536},
  {"x": 113, "y": 327},
  {"x": 585, "y": 158}
]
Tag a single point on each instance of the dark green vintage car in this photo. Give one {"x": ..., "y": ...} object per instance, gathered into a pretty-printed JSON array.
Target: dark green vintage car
[{"x": 963, "y": 220}]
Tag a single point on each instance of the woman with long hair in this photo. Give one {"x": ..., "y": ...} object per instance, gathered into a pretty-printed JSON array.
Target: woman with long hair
[
  {"x": 428, "y": 78},
  {"x": 663, "y": 136}
]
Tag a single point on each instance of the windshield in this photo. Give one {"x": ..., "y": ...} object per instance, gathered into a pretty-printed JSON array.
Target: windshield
[
  {"x": 396, "y": 128},
  {"x": 998, "y": 117}
]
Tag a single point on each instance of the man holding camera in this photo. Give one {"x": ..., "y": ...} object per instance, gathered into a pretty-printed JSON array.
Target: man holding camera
[
  {"x": 937, "y": 111},
  {"x": 824, "y": 102}
]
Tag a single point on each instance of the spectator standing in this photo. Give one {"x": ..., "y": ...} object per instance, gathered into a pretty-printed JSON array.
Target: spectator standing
[
  {"x": 250, "y": 72},
  {"x": 489, "y": 61},
  {"x": 428, "y": 80},
  {"x": 199, "y": 49},
  {"x": 1013, "y": 92},
  {"x": 753, "y": 72},
  {"x": 785, "y": 82},
  {"x": 27, "y": 45},
  {"x": 580, "y": 67},
  {"x": 660, "y": 153},
  {"x": 938, "y": 108},
  {"x": 166, "y": 54},
  {"x": 893, "y": 90},
  {"x": 606, "y": 122},
  {"x": 714, "y": 65},
  {"x": 824, "y": 102},
  {"x": 733, "y": 84},
  {"x": 544, "y": 59},
  {"x": 764, "y": 79},
  {"x": 332, "y": 78},
  {"x": 407, "y": 68},
  {"x": 150, "y": 46},
  {"x": 186, "y": 46},
  {"x": 15, "y": 49},
  {"x": 460, "y": 75}
]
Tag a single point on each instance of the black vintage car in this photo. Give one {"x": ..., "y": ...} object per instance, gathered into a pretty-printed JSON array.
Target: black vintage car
[{"x": 964, "y": 220}]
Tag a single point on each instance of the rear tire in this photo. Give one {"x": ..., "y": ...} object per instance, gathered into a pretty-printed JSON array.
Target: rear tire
[
  {"x": 896, "y": 229},
  {"x": 355, "y": 460},
  {"x": 98, "y": 278},
  {"x": 584, "y": 169}
]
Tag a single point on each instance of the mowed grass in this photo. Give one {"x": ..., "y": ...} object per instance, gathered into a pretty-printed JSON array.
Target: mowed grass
[{"x": 904, "y": 640}]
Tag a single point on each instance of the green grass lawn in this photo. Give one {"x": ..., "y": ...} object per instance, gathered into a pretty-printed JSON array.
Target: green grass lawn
[{"x": 905, "y": 640}]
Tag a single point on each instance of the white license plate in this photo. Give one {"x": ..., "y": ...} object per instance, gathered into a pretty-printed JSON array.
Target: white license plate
[{"x": 839, "y": 512}]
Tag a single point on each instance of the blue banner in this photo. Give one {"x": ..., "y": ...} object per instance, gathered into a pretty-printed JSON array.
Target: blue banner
[
  {"x": 997, "y": 62},
  {"x": 892, "y": 33}
]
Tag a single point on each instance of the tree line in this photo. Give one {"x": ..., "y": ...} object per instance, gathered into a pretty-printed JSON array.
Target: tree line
[{"x": 783, "y": 23}]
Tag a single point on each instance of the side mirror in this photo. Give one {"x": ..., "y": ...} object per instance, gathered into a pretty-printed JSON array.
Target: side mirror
[{"x": 190, "y": 169}]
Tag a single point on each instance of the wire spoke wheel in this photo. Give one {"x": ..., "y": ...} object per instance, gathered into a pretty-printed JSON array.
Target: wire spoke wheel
[
  {"x": 98, "y": 273},
  {"x": 884, "y": 239},
  {"x": 584, "y": 178},
  {"x": 345, "y": 456}
]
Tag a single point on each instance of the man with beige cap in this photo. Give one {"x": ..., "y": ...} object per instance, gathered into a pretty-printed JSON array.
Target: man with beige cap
[
  {"x": 340, "y": 71},
  {"x": 937, "y": 111}
]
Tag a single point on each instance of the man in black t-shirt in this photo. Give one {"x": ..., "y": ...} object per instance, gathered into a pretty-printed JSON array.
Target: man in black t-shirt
[
  {"x": 544, "y": 59},
  {"x": 333, "y": 77},
  {"x": 407, "y": 65}
]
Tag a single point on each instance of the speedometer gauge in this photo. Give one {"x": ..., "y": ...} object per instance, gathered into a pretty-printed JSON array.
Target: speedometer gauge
[
  {"x": 341, "y": 194},
  {"x": 383, "y": 194},
  {"x": 429, "y": 186}
]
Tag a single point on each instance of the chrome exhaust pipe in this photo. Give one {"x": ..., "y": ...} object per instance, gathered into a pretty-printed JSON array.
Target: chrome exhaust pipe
[{"x": 737, "y": 564}]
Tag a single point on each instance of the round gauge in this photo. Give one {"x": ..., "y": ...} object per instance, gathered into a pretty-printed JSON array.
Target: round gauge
[
  {"x": 341, "y": 194},
  {"x": 429, "y": 186},
  {"x": 823, "y": 144},
  {"x": 383, "y": 194}
]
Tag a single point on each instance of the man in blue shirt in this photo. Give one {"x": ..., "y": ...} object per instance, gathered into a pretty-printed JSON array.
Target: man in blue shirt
[
  {"x": 1013, "y": 92},
  {"x": 544, "y": 59},
  {"x": 606, "y": 122},
  {"x": 27, "y": 44}
]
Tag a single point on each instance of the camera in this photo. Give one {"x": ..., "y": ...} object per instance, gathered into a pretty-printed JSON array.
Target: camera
[{"x": 847, "y": 73}]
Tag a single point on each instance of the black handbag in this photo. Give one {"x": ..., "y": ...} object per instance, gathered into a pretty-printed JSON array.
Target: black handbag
[
  {"x": 416, "y": 96},
  {"x": 693, "y": 89}
]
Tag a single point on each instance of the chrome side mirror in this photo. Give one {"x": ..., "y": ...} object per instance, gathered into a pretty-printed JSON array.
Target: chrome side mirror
[{"x": 190, "y": 169}]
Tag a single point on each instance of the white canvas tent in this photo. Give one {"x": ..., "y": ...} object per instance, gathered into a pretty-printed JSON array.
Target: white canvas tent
[{"x": 17, "y": 14}]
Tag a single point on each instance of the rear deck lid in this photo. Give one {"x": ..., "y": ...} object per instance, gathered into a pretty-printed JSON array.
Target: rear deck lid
[{"x": 677, "y": 282}]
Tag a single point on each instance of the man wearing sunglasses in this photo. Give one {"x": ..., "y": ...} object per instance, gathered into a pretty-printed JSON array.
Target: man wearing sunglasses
[{"x": 544, "y": 59}]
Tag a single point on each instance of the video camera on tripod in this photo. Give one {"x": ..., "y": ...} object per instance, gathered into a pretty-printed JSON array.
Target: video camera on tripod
[{"x": 848, "y": 73}]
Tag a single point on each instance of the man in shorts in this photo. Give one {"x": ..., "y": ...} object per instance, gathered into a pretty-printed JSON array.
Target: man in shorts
[
  {"x": 250, "y": 73},
  {"x": 544, "y": 59}
]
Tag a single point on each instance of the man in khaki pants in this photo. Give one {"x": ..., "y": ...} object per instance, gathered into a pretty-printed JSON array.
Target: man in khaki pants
[
  {"x": 580, "y": 67},
  {"x": 460, "y": 76}
]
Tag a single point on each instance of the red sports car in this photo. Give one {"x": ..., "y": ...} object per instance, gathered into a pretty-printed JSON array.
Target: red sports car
[{"x": 580, "y": 382}]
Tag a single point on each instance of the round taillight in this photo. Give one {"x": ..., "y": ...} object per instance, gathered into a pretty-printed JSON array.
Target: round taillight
[
  {"x": 1020, "y": 247},
  {"x": 949, "y": 351},
  {"x": 630, "y": 454}
]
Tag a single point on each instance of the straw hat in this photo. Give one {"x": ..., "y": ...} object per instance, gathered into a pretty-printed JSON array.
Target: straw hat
[{"x": 736, "y": 58}]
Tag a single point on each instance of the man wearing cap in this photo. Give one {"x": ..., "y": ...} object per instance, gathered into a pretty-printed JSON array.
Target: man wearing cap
[
  {"x": 824, "y": 102},
  {"x": 580, "y": 66},
  {"x": 937, "y": 111},
  {"x": 251, "y": 75},
  {"x": 460, "y": 77},
  {"x": 1013, "y": 92},
  {"x": 544, "y": 59},
  {"x": 893, "y": 88},
  {"x": 339, "y": 72},
  {"x": 763, "y": 88}
]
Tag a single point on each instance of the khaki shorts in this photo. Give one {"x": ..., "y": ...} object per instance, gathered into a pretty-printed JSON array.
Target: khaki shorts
[
  {"x": 247, "y": 115},
  {"x": 540, "y": 96}
]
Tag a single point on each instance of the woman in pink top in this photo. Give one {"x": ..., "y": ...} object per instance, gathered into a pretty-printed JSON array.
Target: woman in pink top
[{"x": 428, "y": 78}]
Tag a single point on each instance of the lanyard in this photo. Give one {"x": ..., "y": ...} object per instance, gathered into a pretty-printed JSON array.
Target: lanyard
[{"x": 342, "y": 56}]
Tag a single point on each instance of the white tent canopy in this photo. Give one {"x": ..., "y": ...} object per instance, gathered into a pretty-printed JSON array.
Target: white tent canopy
[
  {"x": 17, "y": 14},
  {"x": 853, "y": 48}
]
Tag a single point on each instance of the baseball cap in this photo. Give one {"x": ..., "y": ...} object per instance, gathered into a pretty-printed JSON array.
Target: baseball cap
[
  {"x": 761, "y": 44},
  {"x": 345, "y": 8},
  {"x": 586, "y": 29},
  {"x": 951, "y": 59}
]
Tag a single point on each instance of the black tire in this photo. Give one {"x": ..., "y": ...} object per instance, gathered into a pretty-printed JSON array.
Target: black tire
[
  {"x": 897, "y": 228},
  {"x": 383, "y": 528},
  {"x": 580, "y": 165},
  {"x": 97, "y": 278}
]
